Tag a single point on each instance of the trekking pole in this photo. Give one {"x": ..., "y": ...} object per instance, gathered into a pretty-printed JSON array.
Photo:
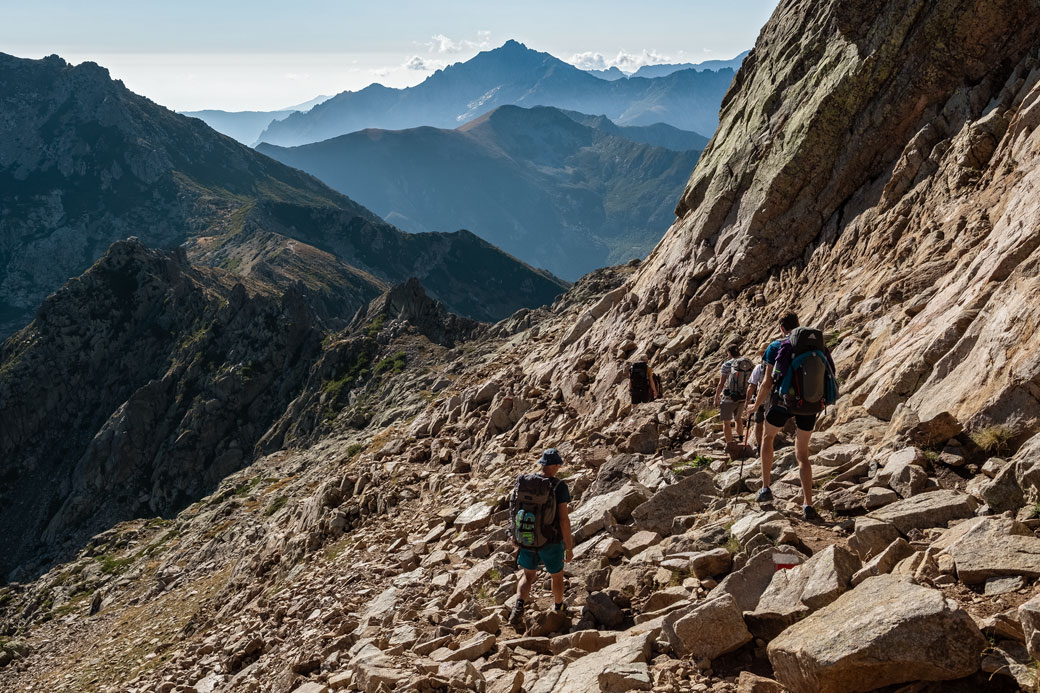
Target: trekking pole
[{"x": 740, "y": 477}]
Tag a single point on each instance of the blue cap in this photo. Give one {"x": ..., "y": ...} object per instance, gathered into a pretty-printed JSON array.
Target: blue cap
[{"x": 549, "y": 457}]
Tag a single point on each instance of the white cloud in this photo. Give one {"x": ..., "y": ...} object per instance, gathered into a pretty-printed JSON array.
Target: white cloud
[
  {"x": 441, "y": 44},
  {"x": 625, "y": 61},
  {"x": 416, "y": 63}
]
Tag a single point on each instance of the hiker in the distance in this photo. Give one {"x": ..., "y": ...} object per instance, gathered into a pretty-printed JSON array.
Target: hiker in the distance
[
  {"x": 758, "y": 415},
  {"x": 731, "y": 392},
  {"x": 540, "y": 526},
  {"x": 800, "y": 382}
]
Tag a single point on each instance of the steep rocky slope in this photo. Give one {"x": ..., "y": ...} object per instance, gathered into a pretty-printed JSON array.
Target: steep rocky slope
[
  {"x": 874, "y": 169},
  {"x": 551, "y": 191},
  {"x": 85, "y": 162}
]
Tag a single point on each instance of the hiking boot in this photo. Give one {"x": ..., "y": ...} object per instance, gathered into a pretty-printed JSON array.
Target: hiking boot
[
  {"x": 516, "y": 616},
  {"x": 764, "y": 495},
  {"x": 810, "y": 514}
]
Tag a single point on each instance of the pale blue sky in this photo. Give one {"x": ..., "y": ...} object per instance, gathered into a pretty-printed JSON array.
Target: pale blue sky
[{"x": 263, "y": 54}]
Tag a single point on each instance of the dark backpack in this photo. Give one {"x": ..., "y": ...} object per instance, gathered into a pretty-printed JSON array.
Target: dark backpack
[
  {"x": 809, "y": 384},
  {"x": 532, "y": 511},
  {"x": 737, "y": 380},
  {"x": 643, "y": 385}
]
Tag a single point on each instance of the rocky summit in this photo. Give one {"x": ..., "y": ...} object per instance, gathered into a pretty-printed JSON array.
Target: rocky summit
[{"x": 874, "y": 170}]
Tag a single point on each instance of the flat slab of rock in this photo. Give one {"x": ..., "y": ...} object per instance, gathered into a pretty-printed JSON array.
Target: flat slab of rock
[
  {"x": 477, "y": 646},
  {"x": 471, "y": 577},
  {"x": 747, "y": 584},
  {"x": 933, "y": 509},
  {"x": 987, "y": 547},
  {"x": 582, "y": 675},
  {"x": 596, "y": 511},
  {"x": 886, "y": 631},
  {"x": 710, "y": 629},
  {"x": 686, "y": 497},
  {"x": 476, "y": 516},
  {"x": 621, "y": 678}
]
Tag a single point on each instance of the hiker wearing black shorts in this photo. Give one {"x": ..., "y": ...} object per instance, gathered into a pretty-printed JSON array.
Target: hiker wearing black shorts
[
  {"x": 778, "y": 361},
  {"x": 558, "y": 550}
]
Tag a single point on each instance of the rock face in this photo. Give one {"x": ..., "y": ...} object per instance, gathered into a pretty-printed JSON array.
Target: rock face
[{"x": 886, "y": 631}]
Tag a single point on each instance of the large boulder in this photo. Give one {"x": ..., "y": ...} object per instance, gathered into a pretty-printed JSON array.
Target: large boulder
[
  {"x": 886, "y": 631},
  {"x": 904, "y": 472},
  {"x": 596, "y": 512},
  {"x": 987, "y": 547},
  {"x": 710, "y": 629},
  {"x": 749, "y": 582},
  {"x": 934, "y": 509},
  {"x": 686, "y": 497},
  {"x": 795, "y": 593},
  {"x": 870, "y": 537},
  {"x": 1029, "y": 618},
  {"x": 582, "y": 675}
]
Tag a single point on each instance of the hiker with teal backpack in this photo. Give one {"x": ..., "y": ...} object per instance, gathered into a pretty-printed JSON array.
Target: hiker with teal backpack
[
  {"x": 731, "y": 392},
  {"x": 799, "y": 382},
  {"x": 759, "y": 415},
  {"x": 540, "y": 526}
]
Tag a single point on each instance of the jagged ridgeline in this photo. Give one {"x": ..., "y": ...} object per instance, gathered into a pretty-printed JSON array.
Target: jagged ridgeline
[
  {"x": 85, "y": 162},
  {"x": 875, "y": 170}
]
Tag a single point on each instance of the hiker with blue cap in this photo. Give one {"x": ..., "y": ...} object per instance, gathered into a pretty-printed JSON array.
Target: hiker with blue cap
[{"x": 540, "y": 527}]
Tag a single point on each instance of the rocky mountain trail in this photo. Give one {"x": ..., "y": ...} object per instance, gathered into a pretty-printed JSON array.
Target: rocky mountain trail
[{"x": 849, "y": 181}]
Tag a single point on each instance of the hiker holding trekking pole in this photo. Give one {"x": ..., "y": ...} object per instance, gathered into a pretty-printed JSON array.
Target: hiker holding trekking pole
[{"x": 731, "y": 392}]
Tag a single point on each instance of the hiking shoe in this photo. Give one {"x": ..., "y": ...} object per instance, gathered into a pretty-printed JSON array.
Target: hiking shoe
[
  {"x": 516, "y": 616},
  {"x": 810, "y": 514},
  {"x": 764, "y": 495}
]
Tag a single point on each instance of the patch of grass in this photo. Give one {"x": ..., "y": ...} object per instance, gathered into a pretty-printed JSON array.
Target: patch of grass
[
  {"x": 74, "y": 604},
  {"x": 246, "y": 487},
  {"x": 395, "y": 364},
  {"x": 696, "y": 463},
  {"x": 375, "y": 326},
  {"x": 355, "y": 449},
  {"x": 994, "y": 440},
  {"x": 732, "y": 544},
  {"x": 932, "y": 456},
  {"x": 493, "y": 575},
  {"x": 834, "y": 338},
  {"x": 705, "y": 414},
  {"x": 110, "y": 565},
  {"x": 1034, "y": 513},
  {"x": 5, "y": 595},
  {"x": 823, "y": 480},
  {"x": 276, "y": 505}
]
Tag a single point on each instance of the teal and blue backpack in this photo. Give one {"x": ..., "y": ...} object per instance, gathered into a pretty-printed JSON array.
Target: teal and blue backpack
[{"x": 809, "y": 384}]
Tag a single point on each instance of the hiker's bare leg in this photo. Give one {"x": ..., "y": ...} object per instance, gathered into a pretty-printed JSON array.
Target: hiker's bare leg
[
  {"x": 740, "y": 427},
  {"x": 726, "y": 433},
  {"x": 523, "y": 588},
  {"x": 557, "y": 587},
  {"x": 758, "y": 434},
  {"x": 801, "y": 453},
  {"x": 767, "y": 453}
]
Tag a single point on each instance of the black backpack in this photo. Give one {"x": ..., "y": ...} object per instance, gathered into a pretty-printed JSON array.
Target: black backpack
[
  {"x": 809, "y": 384},
  {"x": 643, "y": 384},
  {"x": 532, "y": 511}
]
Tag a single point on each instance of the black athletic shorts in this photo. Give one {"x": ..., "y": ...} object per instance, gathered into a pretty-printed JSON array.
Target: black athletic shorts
[
  {"x": 778, "y": 416},
  {"x": 760, "y": 415}
]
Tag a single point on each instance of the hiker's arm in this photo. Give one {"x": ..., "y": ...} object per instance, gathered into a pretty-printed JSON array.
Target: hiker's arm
[
  {"x": 718, "y": 390},
  {"x": 766, "y": 386},
  {"x": 565, "y": 528},
  {"x": 751, "y": 390}
]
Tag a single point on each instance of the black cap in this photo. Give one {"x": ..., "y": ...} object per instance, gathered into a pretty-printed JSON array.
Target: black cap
[{"x": 550, "y": 457}]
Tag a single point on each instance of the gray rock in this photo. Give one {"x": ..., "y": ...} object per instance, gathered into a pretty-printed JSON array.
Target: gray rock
[
  {"x": 891, "y": 631},
  {"x": 688, "y": 496},
  {"x": 987, "y": 547},
  {"x": 885, "y": 561},
  {"x": 871, "y": 536},
  {"x": 934, "y": 509},
  {"x": 710, "y": 629}
]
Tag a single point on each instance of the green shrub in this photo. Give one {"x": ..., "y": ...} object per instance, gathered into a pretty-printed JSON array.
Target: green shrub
[
  {"x": 112, "y": 565},
  {"x": 705, "y": 414},
  {"x": 276, "y": 505}
]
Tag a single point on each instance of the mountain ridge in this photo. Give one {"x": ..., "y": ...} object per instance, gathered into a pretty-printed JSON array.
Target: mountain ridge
[
  {"x": 509, "y": 75},
  {"x": 553, "y": 191}
]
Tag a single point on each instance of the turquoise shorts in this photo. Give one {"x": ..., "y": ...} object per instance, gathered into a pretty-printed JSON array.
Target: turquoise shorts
[{"x": 550, "y": 554}]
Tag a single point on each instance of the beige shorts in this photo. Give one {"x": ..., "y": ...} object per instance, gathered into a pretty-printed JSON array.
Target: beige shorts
[{"x": 731, "y": 409}]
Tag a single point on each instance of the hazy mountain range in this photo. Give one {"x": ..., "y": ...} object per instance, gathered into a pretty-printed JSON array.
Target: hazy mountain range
[
  {"x": 664, "y": 69},
  {"x": 511, "y": 75},
  {"x": 84, "y": 162},
  {"x": 246, "y": 126},
  {"x": 557, "y": 193}
]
